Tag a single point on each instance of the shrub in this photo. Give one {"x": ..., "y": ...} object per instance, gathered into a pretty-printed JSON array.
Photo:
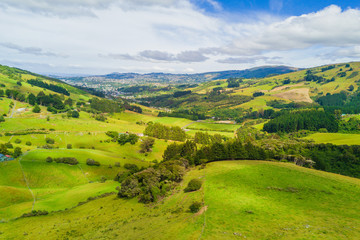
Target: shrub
[
  {"x": 49, "y": 159},
  {"x": 121, "y": 176},
  {"x": 17, "y": 141},
  {"x": 36, "y": 109},
  {"x": 92, "y": 162},
  {"x": 195, "y": 207},
  {"x": 131, "y": 167},
  {"x": 67, "y": 160},
  {"x": 147, "y": 145},
  {"x": 193, "y": 185},
  {"x": 28, "y": 143},
  {"x": 2, "y": 119},
  {"x": 257, "y": 94},
  {"x": 17, "y": 152},
  {"x": 50, "y": 141},
  {"x": 69, "y": 146},
  {"x": 9, "y": 145},
  {"x": 34, "y": 213}
]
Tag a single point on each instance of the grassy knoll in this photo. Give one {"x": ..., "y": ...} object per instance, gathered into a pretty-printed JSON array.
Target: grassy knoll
[
  {"x": 244, "y": 199},
  {"x": 335, "y": 138}
]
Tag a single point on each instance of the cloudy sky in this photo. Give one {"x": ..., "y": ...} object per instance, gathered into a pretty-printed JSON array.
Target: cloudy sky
[{"x": 176, "y": 36}]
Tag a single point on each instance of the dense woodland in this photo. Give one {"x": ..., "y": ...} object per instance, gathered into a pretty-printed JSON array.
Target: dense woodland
[
  {"x": 158, "y": 130},
  {"x": 292, "y": 121},
  {"x": 52, "y": 87}
]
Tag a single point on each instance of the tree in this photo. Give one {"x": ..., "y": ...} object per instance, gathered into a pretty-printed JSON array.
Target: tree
[
  {"x": 36, "y": 109},
  {"x": 147, "y": 145},
  {"x": 351, "y": 88},
  {"x": 195, "y": 207},
  {"x": 69, "y": 102},
  {"x": 17, "y": 152},
  {"x": 193, "y": 185},
  {"x": 75, "y": 114},
  {"x": 92, "y": 162},
  {"x": 2, "y": 119}
]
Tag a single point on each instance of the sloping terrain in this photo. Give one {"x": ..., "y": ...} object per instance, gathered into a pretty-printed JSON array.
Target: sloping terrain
[{"x": 242, "y": 199}]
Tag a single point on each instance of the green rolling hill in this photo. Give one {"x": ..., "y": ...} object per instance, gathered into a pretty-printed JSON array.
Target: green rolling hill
[
  {"x": 241, "y": 199},
  {"x": 248, "y": 199}
]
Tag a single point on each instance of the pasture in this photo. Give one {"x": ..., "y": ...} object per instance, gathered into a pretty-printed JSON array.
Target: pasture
[{"x": 241, "y": 199}]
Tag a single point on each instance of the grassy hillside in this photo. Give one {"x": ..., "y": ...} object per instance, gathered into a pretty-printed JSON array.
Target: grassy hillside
[
  {"x": 336, "y": 138},
  {"x": 11, "y": 76},
  {"x": 286, "y": 87},
  {"x": 242, "y": 199}
]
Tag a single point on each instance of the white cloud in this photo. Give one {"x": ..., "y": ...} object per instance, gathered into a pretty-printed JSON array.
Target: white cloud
[
  {"x": 75, "y": 8},
  {"x": 216, "y": 5},
  {"x": 167, "y": 34}
]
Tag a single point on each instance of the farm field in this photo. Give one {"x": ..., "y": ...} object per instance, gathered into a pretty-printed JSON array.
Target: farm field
[
  {"x": 335, "y": 138},
  {"x": 242, "y": 199}
]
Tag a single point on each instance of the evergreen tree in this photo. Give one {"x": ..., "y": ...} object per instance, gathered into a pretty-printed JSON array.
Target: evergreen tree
[{"x": 36, "y": 109}]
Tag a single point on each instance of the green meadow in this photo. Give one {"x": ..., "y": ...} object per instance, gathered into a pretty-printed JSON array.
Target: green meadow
[
  {"x": 241, "y": 200},
  {"x": 335, "y": 138}
]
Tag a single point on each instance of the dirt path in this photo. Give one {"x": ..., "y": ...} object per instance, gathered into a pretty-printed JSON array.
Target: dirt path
[
  {"x": 185, "y": 127},
  {"x": 26, "y": 181},
  {"x": 83, "y": 173},
  {"x": 13, "y": 110}
]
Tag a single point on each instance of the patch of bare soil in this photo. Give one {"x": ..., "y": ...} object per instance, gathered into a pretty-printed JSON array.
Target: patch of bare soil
[
  {"x": 201, "y": 211},
  {"x": 296, "y": 95}
]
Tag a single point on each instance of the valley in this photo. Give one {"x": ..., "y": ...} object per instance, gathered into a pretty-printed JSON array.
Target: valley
[{"x": 268, "y": 153}]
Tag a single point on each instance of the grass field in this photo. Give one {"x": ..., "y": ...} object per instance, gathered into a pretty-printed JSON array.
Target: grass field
[
  {"x": 219, "y": 127},
  {"x": 335, "y": 138},
  {"x": 60, "y": 186},
  {"x": 244, "y": 199}
]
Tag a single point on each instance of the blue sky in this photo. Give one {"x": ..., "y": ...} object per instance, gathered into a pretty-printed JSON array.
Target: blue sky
[
  {"x": 278, "y": 7},
  {"x": 176, "y": 36}
]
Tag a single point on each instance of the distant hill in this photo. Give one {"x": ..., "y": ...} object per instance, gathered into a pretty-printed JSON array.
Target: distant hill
[{"x": 136, "y": 78}]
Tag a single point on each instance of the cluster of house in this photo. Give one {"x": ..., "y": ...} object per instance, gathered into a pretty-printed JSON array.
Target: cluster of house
[{"x": 4, "y": 158}]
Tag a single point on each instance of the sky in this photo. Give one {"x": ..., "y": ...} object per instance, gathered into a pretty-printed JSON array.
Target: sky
[{"x": 175, "y": 36}]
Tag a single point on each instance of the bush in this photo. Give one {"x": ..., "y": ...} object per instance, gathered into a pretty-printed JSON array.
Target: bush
[
  {"x": 36, "y": 109},
  {"x": 193, "y": 185},
  {"x": 34, "y": 213},
  {"x": 9, "y": 145},
  {"x": 17, "y": 152},
  {"x": 28, "y": 143},
  {"x": 258, "y": 94},
  {"x": 75, "y": 114},
  {"x": 131, "y": 167},
  {"x": 195, "y": 207},
  {"x": 92, "y": 162},
  {"x": 67, "y": 160},
  {"x": 50, "y": 141},
  {"x": 17, "y": 141},
  {"x": 49, "y": 159},
  {"x": 69, "y": 146}
]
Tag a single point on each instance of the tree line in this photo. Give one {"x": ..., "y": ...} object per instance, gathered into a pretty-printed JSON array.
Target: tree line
[
  {"x": 293, "y": 121},
  {"x": 161, "y": 131},
  {"x": 52, "y": 87}
]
